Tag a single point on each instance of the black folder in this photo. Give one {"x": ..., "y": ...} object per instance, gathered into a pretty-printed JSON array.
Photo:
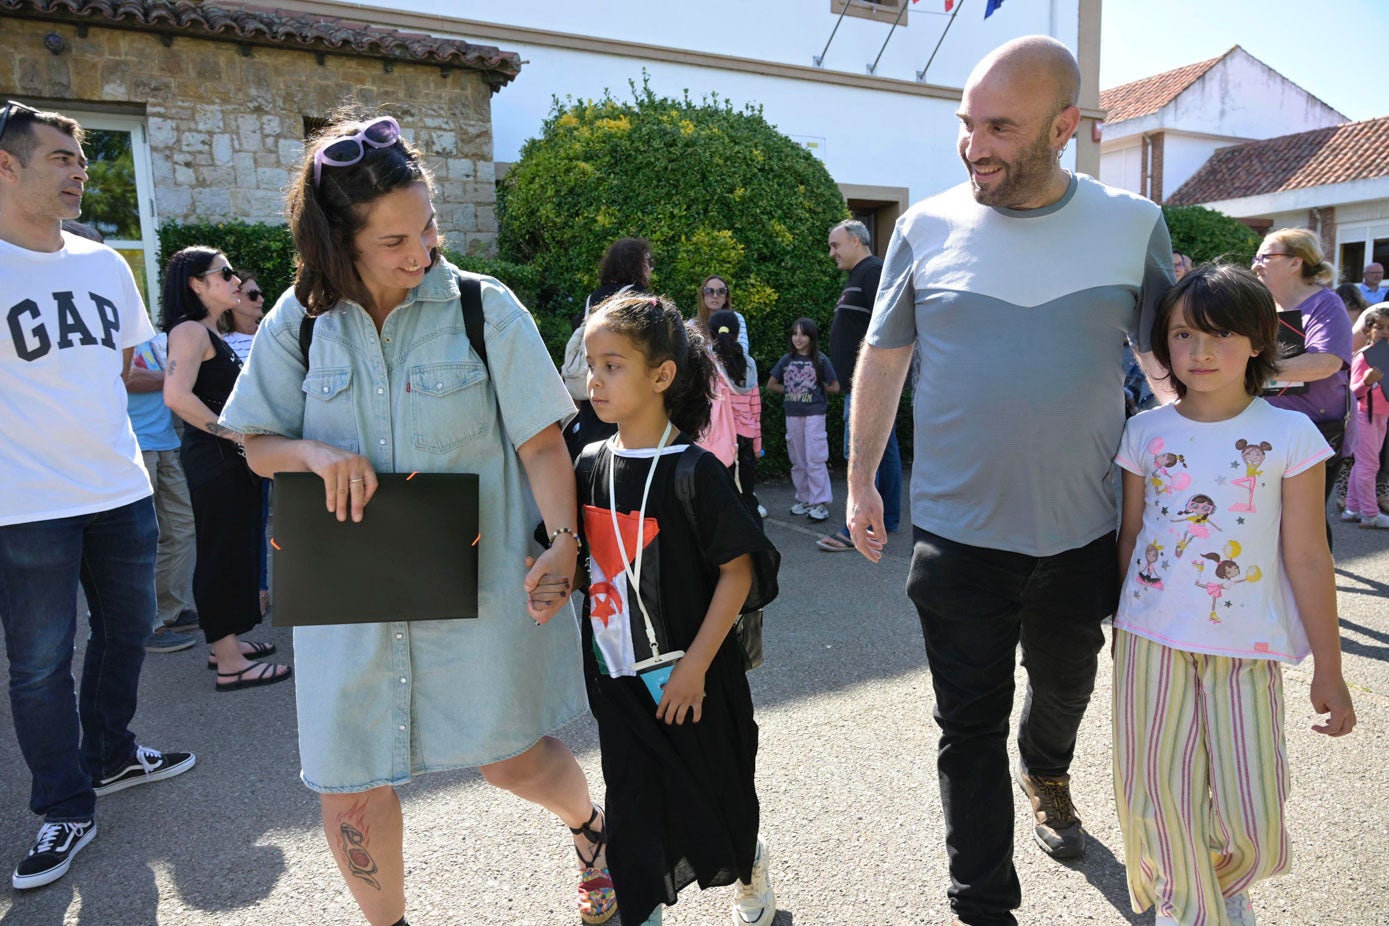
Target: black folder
[
  {"x": 1292, "y": 341},
  {"x": 412, "y": 557}
]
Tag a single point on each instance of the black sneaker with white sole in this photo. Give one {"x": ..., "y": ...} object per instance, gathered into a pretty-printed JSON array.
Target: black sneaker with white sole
[
  {"x": 145, "y": 766},
  {"x": 52, "y": 853}
]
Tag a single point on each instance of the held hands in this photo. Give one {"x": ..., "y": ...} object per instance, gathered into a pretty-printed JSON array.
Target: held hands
[
  {"x": 348, "y": 479},
  {"x": 684, "y": 692},
  {"x": 865, "y": 509},
  {"x": 1330, "y": 695},
  {"x": 1374, "y": 375},
  {"x": 549, "y": 581}
]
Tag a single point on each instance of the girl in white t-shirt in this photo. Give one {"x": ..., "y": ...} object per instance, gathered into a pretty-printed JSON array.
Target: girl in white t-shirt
[{"x": 1200, "y": 765}]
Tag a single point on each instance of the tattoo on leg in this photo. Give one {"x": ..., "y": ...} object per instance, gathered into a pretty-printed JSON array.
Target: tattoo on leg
[{"x": 359, "y": 860}]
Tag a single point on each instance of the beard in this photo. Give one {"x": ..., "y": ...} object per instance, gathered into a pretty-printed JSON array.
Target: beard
[{"x": 1023, "y": 180}]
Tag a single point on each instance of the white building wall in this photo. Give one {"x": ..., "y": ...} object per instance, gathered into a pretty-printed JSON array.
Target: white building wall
[
  {"x": 1122, "y": 166},
  {"x": 1240, "y": 99},
  {"x": 867, "y": 136},
  {"x": 1182, "y": 156}
]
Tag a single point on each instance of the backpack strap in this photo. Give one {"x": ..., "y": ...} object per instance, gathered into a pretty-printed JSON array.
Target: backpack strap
[
  {"x": 685, "y": 484},
  {"x": 470, "y": 302}
]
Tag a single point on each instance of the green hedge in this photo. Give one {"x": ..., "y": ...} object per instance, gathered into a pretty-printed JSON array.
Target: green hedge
[
  {"x": 713, "y": 189},
  {"x": 269, "y": 250},
  {"x": 1204, "y": 234}
]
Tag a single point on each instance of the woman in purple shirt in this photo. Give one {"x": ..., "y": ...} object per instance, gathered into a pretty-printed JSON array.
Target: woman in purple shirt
[{"x": 1293, "y": 266}]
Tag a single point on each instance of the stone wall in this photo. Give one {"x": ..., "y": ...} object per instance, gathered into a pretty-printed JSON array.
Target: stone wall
[{"x": 226, "y": 121}]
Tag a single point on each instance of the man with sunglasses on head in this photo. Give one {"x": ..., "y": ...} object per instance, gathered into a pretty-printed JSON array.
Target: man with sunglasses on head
[{"x": 77, "y": 497}]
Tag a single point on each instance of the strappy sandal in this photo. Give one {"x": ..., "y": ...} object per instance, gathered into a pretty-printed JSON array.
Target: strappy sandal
[
  {"x": 597, "y": 900},
  {"x": 268, "y": 675},
  {"x": 258, "y": 651}
]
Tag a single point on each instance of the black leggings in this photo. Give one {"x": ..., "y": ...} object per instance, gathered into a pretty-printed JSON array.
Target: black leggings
[{"x": 226, "y": 520}]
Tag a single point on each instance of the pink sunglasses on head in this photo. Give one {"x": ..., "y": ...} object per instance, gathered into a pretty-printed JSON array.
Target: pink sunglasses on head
[{"x": 350, "y": 149}]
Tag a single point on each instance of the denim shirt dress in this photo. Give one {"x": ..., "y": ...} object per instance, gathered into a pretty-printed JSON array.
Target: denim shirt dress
[{"x": 379, "y": 703}]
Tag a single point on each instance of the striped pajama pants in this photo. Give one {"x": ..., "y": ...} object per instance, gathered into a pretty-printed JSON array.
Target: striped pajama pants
[{"x": 1200, "y": 776}]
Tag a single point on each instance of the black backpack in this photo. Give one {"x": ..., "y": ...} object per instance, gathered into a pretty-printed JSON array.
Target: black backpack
[{"x": 469, "y": 298}]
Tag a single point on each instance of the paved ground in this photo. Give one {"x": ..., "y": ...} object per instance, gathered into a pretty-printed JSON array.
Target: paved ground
[{"x": 847, "y": 780}]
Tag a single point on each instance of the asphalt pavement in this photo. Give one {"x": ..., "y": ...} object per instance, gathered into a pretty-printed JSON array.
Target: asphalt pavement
[{"x": 846, "y": 775}]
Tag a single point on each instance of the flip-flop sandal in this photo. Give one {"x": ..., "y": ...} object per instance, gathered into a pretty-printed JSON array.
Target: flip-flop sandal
[
  {"x": 258, "y": 651},
  {"x": 835, "y": 543},
  {"x": 265, "y": 678}
]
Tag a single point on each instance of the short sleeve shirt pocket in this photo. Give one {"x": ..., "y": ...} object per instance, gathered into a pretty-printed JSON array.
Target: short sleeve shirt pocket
[
  {"x": 449, "y": 405},
  {"x": 328, "y": 411}
]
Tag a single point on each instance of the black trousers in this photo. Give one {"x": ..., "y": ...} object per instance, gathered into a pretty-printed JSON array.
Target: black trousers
[
  {"x": 226, "y": 500},
  {"x": 976, "y": 606}
]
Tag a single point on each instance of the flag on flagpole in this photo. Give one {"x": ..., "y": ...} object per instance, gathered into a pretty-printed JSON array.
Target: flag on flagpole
[
  {"x": 993, "y": 5},
  {"x": 949, "y": 5}
]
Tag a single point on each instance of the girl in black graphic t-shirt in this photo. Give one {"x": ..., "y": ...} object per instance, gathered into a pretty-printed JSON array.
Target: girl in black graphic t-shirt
[{"x": 677, "y": 732}]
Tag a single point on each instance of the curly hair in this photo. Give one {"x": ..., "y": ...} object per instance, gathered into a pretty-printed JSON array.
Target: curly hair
[
  {"x": 1218, "y": 298},
  {"x": 180, "y": 303},
  {"x": 624, "y": 263},
  {"x": 655, "y": 326}
]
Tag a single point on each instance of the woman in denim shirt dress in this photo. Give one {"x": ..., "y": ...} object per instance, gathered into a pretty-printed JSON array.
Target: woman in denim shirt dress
[{"x": 394, "y": 386}]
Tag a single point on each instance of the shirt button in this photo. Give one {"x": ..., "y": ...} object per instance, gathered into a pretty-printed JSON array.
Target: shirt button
[
  {"x": 438, "y": 385},
  {"x": 325, "y": 390},
  {"x": 400, "y": 636},
  {"x": 402, "y": 726},
  {"x": 402, "y": 680},
  {"x": 380, "y": 390},
  {"x": 382, "y": 441}
]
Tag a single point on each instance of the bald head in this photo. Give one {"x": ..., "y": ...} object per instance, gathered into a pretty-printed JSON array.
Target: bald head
[{"x": 1034, "y": 58}]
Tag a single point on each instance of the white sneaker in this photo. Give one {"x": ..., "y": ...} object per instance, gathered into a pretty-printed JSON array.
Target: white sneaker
[
  {"x": 819, "y": 513},
  {"x": 761, "y": 510},
  {"x": 800, "y": 508},
  {"x": 1239, "y": 911},
  {"x": 1349, "y": 515},
  {"x": 755, "y": 904},
  {"x": 1379, "y": 521}
]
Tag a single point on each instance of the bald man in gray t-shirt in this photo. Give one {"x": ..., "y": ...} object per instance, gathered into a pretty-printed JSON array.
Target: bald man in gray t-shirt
[{"x": 1019, "y": 289}]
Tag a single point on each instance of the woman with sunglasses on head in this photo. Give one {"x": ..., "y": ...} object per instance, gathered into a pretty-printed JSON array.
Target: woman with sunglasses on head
[
  {"x": 392, "y": 383},
  {"x": 200, "y": 287},
  {"x": 1292, "y": 265}
]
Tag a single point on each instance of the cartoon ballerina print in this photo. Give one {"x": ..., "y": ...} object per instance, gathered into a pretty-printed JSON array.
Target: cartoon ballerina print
[
  {"x": 1254, "y": 455},
  {"x": 1197, "y": 513},
  {"x": 1164, "y": 481},
  {"x": 1227, "y": 575},
  {"x": 1147, "y": 567}
]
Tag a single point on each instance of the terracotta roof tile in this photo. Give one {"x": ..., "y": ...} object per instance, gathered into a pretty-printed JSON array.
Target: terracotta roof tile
[
  {"x": 1340, "y": 153},
  {"x": 1141, "y": 97},
  {"x": 266, "y": 26}
]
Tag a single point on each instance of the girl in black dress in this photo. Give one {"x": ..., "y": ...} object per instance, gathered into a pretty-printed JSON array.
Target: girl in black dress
[
  {"x": 665, "y": 678},
  {"x": 199, "y": 287}
]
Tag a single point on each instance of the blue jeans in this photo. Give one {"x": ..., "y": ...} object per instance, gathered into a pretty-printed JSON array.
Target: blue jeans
[
  {"x": 976, "y": 606},
  {"x": 888, "y": 480},
  {"x": 112, "y": 554}
]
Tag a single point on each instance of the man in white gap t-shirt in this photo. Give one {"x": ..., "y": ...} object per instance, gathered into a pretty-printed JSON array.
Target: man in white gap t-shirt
[{"x": 77, "y": 503}]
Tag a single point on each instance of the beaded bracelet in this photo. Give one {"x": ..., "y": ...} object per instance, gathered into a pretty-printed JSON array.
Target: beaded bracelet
[{"x": 563, "y": 530}]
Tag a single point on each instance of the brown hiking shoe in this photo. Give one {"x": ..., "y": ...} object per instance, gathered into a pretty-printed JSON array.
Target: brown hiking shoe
[{"x": 1058, "y": 828}]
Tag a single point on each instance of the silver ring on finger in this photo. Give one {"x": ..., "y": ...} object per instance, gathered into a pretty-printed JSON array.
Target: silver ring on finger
[{"x": 358, "y": 479}]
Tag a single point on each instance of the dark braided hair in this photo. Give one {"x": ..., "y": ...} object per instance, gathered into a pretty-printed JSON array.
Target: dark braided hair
[{"x": 655, "y": 326}]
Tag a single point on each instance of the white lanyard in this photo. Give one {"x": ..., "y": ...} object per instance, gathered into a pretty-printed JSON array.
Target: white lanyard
[{"x": 634, "y": 578}]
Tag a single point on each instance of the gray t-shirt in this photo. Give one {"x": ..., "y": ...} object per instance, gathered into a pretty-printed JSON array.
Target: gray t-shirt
[{"x": 1020, "y": 318}]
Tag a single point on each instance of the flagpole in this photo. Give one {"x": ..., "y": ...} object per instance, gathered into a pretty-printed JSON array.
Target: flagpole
[
  {"x": 820, "y": 58},
  {"x": 900, "y": 13},
  {"x": 921, "y": 74}
]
